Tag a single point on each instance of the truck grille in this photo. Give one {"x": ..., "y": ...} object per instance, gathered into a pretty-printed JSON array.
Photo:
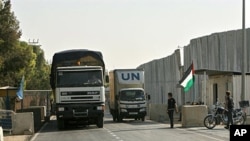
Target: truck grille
[
  {"x": 89, "y": 97},
  {"x": 82, "y": 101},
  {"x": 133, "y": 110},
  {"x": 80, "y": 96},
  {"x": 80, "y": 93}
]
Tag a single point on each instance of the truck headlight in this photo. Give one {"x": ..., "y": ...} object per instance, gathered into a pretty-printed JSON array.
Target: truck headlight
[
  {"x": 60, "y": 109},
  {"x": 100, "y": 107}
]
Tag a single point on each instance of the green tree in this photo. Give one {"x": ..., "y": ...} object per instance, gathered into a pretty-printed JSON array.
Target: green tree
[
  {"x": 40, "y": 74},
  {"x": 18, "y": 58},
  {"x": 9, "y": 27},
  {"x": 9, "y": 35}
]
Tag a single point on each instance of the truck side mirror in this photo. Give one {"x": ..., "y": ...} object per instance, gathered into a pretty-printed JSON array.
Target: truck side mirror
[
  {"x": 117, "y": 95},
  {"x": 107, "y": 79}
]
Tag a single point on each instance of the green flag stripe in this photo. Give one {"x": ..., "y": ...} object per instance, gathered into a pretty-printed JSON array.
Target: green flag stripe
[
  {"x": 187, "y": 79},
  {"x": 189, "y": 85}
]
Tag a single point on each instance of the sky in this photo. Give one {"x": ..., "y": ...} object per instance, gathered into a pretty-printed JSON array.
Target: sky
[{"x": 128, "y": 32}]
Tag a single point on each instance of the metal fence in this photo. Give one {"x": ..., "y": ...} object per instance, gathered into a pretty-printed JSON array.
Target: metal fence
[
  {"x": 33, "y": 98},
  {"x": 6, "y": 119}
]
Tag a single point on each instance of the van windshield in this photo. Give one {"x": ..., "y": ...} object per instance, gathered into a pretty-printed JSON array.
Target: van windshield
[{"x": 132, "y": 95}]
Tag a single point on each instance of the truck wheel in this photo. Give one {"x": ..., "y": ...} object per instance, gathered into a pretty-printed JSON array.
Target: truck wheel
[
  {"x": 143, "y": 119},
  {"x": 99, "y": 123},
  {"x": 120, "y": 118},
  {"x": 60, "y": 124},
  {"x": 114, "y": 118}
]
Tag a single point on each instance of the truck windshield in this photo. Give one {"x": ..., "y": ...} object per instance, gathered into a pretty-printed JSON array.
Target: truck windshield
[
  {"x": 132, "y": 95},
  {"x": 79, "y": 78}
]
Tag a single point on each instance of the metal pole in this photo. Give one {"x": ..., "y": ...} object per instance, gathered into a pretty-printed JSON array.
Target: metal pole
[
  {"x": 205, "y": 88},
  {"x": 243, "y": 52}
]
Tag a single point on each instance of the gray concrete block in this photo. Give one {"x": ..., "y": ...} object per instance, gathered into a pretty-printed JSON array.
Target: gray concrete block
[
  {"x": 23, "y": 122},
  {"x": 193, "y": 115}
]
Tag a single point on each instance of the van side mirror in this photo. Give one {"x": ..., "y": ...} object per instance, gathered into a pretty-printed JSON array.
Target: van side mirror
[{"x": 148, "y": 97}]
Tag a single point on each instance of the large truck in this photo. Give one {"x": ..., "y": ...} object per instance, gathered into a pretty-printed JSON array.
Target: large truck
[
  {"x": 77, "y": 80},
  {"x": 127, "y": 95}
]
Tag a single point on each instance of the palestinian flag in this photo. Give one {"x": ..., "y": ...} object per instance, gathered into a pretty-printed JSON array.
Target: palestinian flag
[{"x": 187, "y": 80}]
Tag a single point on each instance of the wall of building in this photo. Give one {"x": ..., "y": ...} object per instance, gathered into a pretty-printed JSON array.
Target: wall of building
[
  {"x": 218, "y": 52},
  {"x": 222, "y": 82}
]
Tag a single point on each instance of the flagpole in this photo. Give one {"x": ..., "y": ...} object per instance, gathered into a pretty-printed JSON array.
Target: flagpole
[
  {"x": 194, "y": 95},
  {"x": 244, "y": 44},
  {"x": 21, "y": 105},
  {"x": 205, "y": 88}
]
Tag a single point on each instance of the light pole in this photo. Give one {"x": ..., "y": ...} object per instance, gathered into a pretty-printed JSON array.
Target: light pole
[{"x": 244, "y": 52}]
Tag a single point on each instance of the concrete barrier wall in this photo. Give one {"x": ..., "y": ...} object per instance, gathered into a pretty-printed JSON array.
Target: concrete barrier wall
[
  {"x": 43, "y": 111},
  {"x": 1, "y": 133},
  {"x": 158, "y": 112},
  {"x": 23, "y": 123},
  {"x": 193, "y": 115},
  {"x": 37, "y": 114}
]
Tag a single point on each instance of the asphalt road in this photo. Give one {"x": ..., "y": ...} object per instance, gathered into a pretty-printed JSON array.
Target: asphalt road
[{"x": 130, "y": 130}]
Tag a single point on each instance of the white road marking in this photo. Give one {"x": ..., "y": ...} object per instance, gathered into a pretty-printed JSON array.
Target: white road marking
[
  {"x": 36, "y": 134},
  {"x": 113, "y": 134}
]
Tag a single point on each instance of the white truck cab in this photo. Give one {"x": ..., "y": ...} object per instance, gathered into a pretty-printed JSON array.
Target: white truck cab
[{"x": 127, "y": 95}]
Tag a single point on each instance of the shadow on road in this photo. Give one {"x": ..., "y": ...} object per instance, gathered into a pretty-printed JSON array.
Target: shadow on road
[{"x": 51, "y": 126}]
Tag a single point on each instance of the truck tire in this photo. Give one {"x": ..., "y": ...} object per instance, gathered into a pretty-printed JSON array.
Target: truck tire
[
  {"x": 99, "y": 123},
  {"x": 120, "y": 118},
  {"x": 114, "y": 118},
  {"x": 143, "y": 119},
  {"x": 60, "y": 124}
]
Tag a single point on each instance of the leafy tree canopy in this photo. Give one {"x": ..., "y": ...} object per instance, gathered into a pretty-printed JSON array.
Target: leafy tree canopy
[{"x": 18, "y": 58}]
